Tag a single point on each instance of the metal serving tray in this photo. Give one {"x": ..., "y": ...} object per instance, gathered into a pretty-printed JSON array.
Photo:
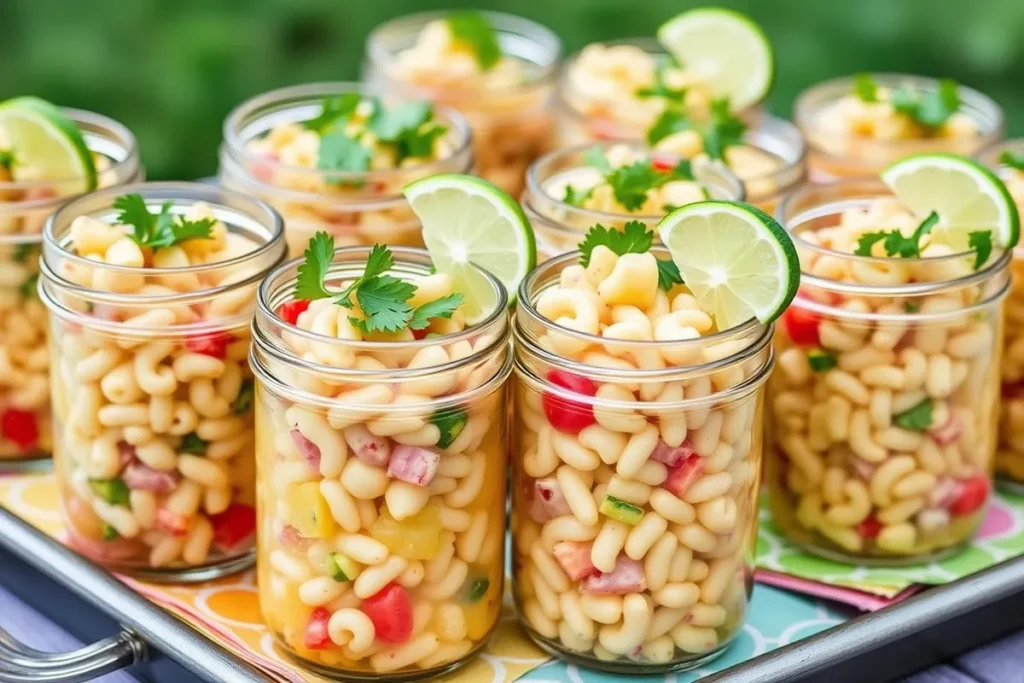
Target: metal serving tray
[{"x": 883, "y": 646}]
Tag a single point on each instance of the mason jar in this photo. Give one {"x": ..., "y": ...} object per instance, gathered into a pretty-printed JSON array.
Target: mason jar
[
  {"x": 559, "y": 226},
  {"x": 152, "y": 393},
  {"x": 509, "y": 107},
  {"x": 357, "y": 208},
  {"x": 635, "y": 476},
  {"x": 25, "y": 418},
  {"x": 1010, "y": 455},
  {"x": 847, "y": 138},
  {"x": 886, "y": 398},
  {"x": 381, "y": 478}
]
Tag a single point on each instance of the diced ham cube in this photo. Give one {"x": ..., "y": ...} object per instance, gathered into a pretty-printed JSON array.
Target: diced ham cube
[
  {"x": 864, "y": 469},
  {"x": 172, "y": 522},
  {"x": 945, "y": 491},
  {"x": 367, "y": 446},
  {"x": 140, "y": 476},
  {"x": 548, "y": 501},
  {"x": 682, "y": 475},
  {"x": 627, "y": 577},
  {"x": 290, "y": 538},
  {"x": 947, "y": 433},
  {"x": 667, "y": 455},
  {"x": 414, "y": 465},
  {"x": 1013, "y": 390},
  {"x": 125, "y": 454},
  {"x": 574, "y": 558},
  {"x": 309, "y": 450}
]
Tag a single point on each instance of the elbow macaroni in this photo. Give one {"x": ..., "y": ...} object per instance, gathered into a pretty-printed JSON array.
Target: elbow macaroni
[{"x": 1010, "y": 457}]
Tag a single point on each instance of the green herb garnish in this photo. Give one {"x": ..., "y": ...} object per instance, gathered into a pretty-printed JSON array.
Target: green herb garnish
[
  {"x": 110, "y": 533},
  {"x": 335, "y": 109},
  {"x": 912, "y": 307},
  {"x": 243, "y": 401},
  {"x": 161, "y": 230},
  {"x": 865, "y": 87},
  {"x": 576, "y": 197},
  {"x": 672, "y": 120},
  {"x": 723, "y": 130},
  {"x": 403, "y": 127},
  {"x": 474, "y": 31},
  {"x": 822, "y": 361},
  {"x": 7, "y": 159},
  {"x": 113, "y": 491},
  {"x": 339, "y": 152},
  {"x": 28, "y": 287},
  {"x": 1014, "y": 160},
  {"x": 981, "y": 242},
  {"x": 477, "y": 589},
  {"x": 634, "y": 238},
  {"x": 660, "y": 87},
  {"x": 630, "y": 184},
  {"x": 382, "y": 298},
  {"x": 929, "y": 109},
  {"x": 22, "y": 251},
  {"x": 894, "y": 242},
  {"x": 191, "y": 443},
  {"x": 916, "y": 419}
]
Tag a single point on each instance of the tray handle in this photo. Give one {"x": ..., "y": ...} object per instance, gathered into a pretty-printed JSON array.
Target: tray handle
[{"x": 20, "y": 663}]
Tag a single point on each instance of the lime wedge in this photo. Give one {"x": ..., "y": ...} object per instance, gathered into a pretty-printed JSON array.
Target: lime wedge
[
  {"x": 725, "y": 50},
  {"x": 738, "y": 262},
  {"x": 47, "y": 145},
  {"x": 468, "y": 220},
  {"x": 967, "y": 197}
]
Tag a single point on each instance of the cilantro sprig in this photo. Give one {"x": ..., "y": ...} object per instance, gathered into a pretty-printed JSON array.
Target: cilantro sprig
[
  {"x": 865, "y": 87},
  {"x": 981, "y": 242},
  {"x": 634, "y": 238},
  {"x": 930, "y": 109},
  {"x": 1014, "y": 160},
  {"x": 473, "y": 30},
  {"x": 7, "y": 159},
  {"x": 917, "y": 418},
  {"x": 340, "y": 107},
  {"x": 630, "y": 184},
  {"x": 722, "y": 130},
  {"x": 660, "y": 88},
  {"x": 895, "y": 243},
  {"x": 161, "y": 230},
  {"x": 382, "y": 298}
]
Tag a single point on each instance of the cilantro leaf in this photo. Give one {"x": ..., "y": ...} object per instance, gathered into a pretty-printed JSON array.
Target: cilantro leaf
[
  {"x": 7, "y": 159},
  {"x": 894, "y": 241},
  {"x": 333, "y": 110},
  {"x": 170, "y": 233},
  {"x": 22, "y": 251},
  {"x": 929, "y": 109},
  {"x": 822, "y": 361},
  {"x": 473, "y": 30},
  {"x": 576, "y": 197},
  {"x": 160, "y": 231},
  {"x": 132, "y": 210},
  {"x": 634, "y": 238},
  {"x": 191, "y": 443},
  {"x": 1014, "y": 160},
  {"x": 916, "y": 419},
  {"x": 419, "y": 143},
  {"x": 630, "y": 184},
  {"x": 439, "y": 308},
  {"x": 595, "y": 158},
  {"x": 865, "y": 87},
  {"x": 383, "y": 300},
  {"x": 867, "y": 241},
  {"x": 981, "y": 242},
  {"x": 339, "y": 152},
  {"x": 672, "y": 120},
  {"x": 309, "y": 284},
  {"x": 911, "y": 307},
  {"x": 660, "y": 87},
  {"x": 389, "y": 123},
  {"x": 28, "y": 287},
  {"x": 668, "y": 274},
  {"x": 378, "y": 262},
  {"x": 723, "y": 130}
]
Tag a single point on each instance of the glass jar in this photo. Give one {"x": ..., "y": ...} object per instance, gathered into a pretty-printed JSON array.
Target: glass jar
[
  {"x": 152, "y": 394},
  {"x": 559, "y": 226},
  {"x": 381, "y": 475},
  {"x": 1010, "y": 456},
  {"x": 837, "y": 153},
  {"x": 885, "y": 401},
  {"x": 511, "y": 114},
  {"x": 25, "y": 419},
  {"x": 653, "y": 448},
  {"x": 357, "y": 208}
]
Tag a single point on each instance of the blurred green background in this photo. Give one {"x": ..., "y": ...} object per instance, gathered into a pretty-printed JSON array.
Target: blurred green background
[{"x": 172, "y": 70}]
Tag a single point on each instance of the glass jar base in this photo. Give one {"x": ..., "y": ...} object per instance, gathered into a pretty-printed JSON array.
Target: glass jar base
[
  {"x": 43, "y": 462},
  {"x": 627, "y": 667},
  {"x": 1004, "y": 483},
  {"x": 836, "y": 555},
  {"x": 198, "y": 574},
  {"x": 334, "y": 674}
]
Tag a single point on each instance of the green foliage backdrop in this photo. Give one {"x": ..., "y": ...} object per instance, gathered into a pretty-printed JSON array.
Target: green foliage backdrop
[{"x": 171, "y": 70}]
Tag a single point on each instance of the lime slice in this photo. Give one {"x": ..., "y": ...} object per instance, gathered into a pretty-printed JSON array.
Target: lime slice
[
  {"x": 468, "y": 220},
  {"x": 725, "y": 50},
  {"x": 967, "y": 197},
  {"x": 738, "y": 262},
  {"x": 47, "y": 145}
]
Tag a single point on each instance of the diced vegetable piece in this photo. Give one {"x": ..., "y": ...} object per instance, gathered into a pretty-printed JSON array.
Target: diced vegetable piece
[
  {"x": 667, "y": 455},
  {"x": 869, "y": 528},
  {"x": 450, "y": 422},
  {"x": 143, "y": 477},
  {"x": 821, "y": 360},
  {"x": 113, "y": 491},
  {"x": 620, "y": 510},
  {"x": 309, "y": 450},
  {"x": 110, "y": 533},
  {"x": 20, "y": 427},
  {"x": 973, "y": 493},
  {"x": 234, "y": 526},
  {"x": 310, "y": 514},
  {"x": 917, "y": 418},
  {"x": 414, "y": 465},
  {"x": 290, "y": 312},
  {"x": 213, "y": 344},
  {"x": 476, "y": 589},
  {"x": 191, "y": 443},
  {"x": 567, "y": 415},
  {"x": 801, "y": 326},
  {"x": 682, "y": 475},
  {"x": 947, "y": 433},
  {"x": 627, "y": 577},
  {"x": 172, "y": 522},
  {"x": 367, "y": 446},
  {"x": 344, "y": 569},
  {"x": 243, "y": 402},
  {"x": 390, "y": 610},
  {"x": 414, "y": 538},
  {"x": 548, "y": 501},
  {"x": 574, "y": 559},
  {"x": 317, "y": 637}
]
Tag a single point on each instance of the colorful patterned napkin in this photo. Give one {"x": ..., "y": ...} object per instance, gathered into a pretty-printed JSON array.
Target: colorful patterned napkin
[
  {"x": 228, "y": 613},
  {"x": 780, "y": 563}
]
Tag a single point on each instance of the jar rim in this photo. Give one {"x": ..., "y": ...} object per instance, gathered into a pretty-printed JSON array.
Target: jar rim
[
  {"x": 725, "y": 180},
  {"x": 377, "y": 53},
  {"x": 235, "y": 147},
  {"x": 54, "y": 247},
  {"x": 792, "y": 225}
]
